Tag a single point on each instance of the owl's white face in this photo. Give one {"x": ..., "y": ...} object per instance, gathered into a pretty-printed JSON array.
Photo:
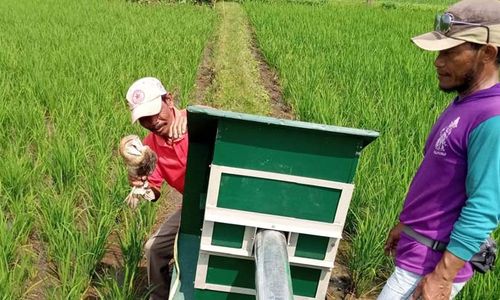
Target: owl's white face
[
  {"x": 134, "y": 147},
  {"x": 131, "y": 146}
]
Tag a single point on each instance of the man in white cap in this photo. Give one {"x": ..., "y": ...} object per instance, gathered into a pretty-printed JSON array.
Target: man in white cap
[
  {"x": 153, "y": 107},
  {"x": 452, "y": 204}
]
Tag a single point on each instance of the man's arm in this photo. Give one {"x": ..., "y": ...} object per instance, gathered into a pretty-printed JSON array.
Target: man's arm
[
  {"x": 481, "y": 212},
  {"x": 479, "y": 216},
  {"x": 438, "y": 284}
]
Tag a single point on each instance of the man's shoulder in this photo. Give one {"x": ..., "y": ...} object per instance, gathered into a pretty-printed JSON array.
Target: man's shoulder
[{"x": 490, "y": 125}]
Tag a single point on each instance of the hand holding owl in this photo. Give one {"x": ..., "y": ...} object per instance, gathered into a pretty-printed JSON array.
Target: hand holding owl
[{"x": 140, "y": 161}]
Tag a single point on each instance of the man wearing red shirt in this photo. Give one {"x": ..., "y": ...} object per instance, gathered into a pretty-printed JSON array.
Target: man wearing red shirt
[{"x": 153, "y": 107}]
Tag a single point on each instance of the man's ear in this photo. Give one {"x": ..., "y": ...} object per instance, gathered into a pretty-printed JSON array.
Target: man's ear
[
  {"x": 490, "y": 53},
  {"x": 168, "y": 99}
]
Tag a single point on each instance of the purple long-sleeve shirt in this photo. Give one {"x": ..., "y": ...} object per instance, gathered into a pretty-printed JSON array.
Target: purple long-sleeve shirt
[{"x": 444, "y": 191}]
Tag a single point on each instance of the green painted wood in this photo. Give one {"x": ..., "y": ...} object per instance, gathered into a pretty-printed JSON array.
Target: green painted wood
[
  {"x": 241, "y": 273},
  {"x": 305, "y": 281},
  {"x": 267, "y": 144},
  {"x": 211, "y": 113},
  {"x": 287, "y": 150},
  {"x": 310, "y": 246},
  {"x": 231, "y": 271},
  {"x": 188, "y": 247},
  {"x": 278, "y": 198},
  {"x": 228, "y": 235},
  {"x": 196, "y": 183}
]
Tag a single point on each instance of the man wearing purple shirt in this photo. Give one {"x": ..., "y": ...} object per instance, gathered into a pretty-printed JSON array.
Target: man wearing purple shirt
[{"x": 453, "y": 203}]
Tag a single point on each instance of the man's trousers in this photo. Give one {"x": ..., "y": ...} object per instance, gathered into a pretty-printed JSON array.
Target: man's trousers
[{"x": 159, "y": 250}]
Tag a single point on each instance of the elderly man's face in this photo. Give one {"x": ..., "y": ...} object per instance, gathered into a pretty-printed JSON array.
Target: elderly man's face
[
  {"x": 160, "y": 124},
  {"x": 458, "y": 68}
]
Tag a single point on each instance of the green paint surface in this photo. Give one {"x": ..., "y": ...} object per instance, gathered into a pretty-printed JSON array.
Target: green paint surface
[
  {"x": 241, "y": 273},
  {"x": 231, "y": 271},
  {"x": 228, "y": 235},
  {"x": 188, "y": 246},
  {"x": 278, "y": 198},
  {"x": 310, "y": 246},
  {"x": 305, "y": 281},
  {"x": 266, "y": 144},
  {"x": 196, "y": 183},
  {"x": 293, "y": 151}
]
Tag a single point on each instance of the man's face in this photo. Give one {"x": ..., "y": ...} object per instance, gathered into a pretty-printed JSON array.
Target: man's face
[
  {"x": 160, "y": 124},
  {"x": 458, "y": 68}
]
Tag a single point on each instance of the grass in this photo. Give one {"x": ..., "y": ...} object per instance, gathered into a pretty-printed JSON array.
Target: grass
[
  {"x": 353, "y": 65},
  {"x": 236, "y": 85},
  {"x": 66, "y": 66}
]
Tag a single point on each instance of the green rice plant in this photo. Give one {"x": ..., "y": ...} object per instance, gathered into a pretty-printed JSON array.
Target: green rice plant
[
  {"x": 18, "y": 173},
  {"x": 64, "y": 162},
  {"x": 16, "y": 259},
  {"x": 65, "y": 244},
  {"x": 135, "y": 227},
  {"x": 110, "y": 288},
  {"x": 16, "y": 220},
  {"x": 66, "y": 66}
]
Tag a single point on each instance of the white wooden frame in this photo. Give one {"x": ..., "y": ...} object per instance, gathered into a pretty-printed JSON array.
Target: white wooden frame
[
  {"x": 217, "y": 171},
  {"x": 253, "y": 221}
]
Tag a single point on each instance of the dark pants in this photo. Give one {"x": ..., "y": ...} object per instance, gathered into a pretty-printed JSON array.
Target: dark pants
[{"x": 159, "y": 251}]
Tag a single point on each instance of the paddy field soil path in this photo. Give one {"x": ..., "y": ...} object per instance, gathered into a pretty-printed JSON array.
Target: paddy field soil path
[{"x": 236, "y": 76}]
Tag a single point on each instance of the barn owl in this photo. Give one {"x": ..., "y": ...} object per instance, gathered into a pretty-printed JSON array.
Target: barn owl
[{"x": 140, "y": 161}]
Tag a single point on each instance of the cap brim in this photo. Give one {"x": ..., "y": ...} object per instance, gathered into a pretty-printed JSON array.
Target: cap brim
[
  {"x": 435, "y": 41},
  {"x": 149, "y": 108}
]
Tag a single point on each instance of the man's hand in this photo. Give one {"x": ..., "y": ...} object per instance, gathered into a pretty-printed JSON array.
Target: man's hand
[
  {"x": 437, "y": 285},
  {"x": 393, "y": 239},
  {"x": 137, "y": 181},
  {"x": 433, "y": 287},
  {"x": 179, "y": 126}
]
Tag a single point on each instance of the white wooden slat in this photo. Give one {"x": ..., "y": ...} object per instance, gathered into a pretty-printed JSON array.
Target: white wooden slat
[{"x": 266, "y": 221}]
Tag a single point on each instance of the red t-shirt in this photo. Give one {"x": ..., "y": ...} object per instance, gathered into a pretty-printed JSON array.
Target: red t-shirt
[{"x": 172, "y": 157}]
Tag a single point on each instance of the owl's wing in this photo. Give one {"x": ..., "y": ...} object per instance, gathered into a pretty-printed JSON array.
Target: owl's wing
[{"x": 147, "y": 163}]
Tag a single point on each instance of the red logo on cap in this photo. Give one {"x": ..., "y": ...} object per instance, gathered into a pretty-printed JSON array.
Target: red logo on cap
[{"x": 137, "y": 96}]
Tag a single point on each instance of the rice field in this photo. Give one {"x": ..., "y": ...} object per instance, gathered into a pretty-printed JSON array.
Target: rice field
[
  {"x": 353, "y": 65},
  {"x": 65, "y": 66},
  {"x": 64, "y": 69}
]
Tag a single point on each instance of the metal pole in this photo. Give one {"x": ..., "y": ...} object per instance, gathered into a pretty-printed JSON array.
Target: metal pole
[{"x": 272, "y": 272}]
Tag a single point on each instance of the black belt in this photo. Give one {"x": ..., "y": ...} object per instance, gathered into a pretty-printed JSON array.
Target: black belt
[{"x": 434, "y": 245}]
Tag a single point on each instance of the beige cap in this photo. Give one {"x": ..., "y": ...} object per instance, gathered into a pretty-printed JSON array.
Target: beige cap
[
  {"x": 484, "y": 12},
  {"x": 144, "y": 97}
]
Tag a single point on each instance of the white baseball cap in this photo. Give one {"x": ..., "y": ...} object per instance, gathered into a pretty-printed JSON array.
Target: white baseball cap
[{"x": 144, "y": 97}]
